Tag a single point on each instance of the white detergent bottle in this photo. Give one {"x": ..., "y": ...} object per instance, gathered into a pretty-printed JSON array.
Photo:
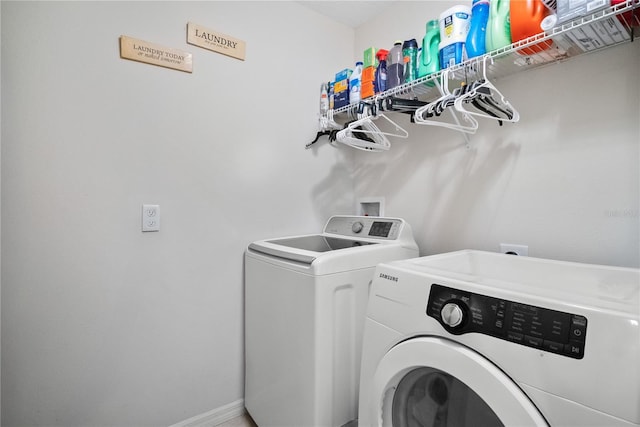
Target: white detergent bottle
[{"x": 355, "y": 84}]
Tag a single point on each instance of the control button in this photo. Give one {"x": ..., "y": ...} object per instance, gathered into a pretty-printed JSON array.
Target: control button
[
  {"x": 499, "y": 323},
  {"x": 532, "y": 341},
  {"x": 578, "y": 328},
  {"x": 574, "y": 349},
  {"x": 500, "y": 314},
  {"x": 357, "y": 227},
  {"x": 451, "y": 314},
  {"x": 556, "y": 347},
  {"x": 515, "y": 337}
]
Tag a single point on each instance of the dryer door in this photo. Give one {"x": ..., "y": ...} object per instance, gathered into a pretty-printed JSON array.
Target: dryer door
[{"x": 434, "y": 382}]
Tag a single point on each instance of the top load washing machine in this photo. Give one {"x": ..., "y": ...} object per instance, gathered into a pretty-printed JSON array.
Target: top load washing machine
[
  {"x": 475, "y": 338},
  {"x": 305, "y": 302}
]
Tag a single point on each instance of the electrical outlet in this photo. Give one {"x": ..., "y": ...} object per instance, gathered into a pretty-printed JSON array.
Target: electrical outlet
[
  {"x": 509, "y": 249},
  {"x": 150, "y": 218}
]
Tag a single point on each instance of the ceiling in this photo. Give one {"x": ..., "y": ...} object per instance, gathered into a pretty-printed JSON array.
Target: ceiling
[{"x": 352, "y": 13}]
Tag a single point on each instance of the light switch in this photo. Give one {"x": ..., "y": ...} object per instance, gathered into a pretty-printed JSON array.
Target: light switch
[{"x": 150, "y": 217}]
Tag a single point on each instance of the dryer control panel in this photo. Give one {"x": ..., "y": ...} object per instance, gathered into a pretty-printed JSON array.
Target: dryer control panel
[
  {"x": 366, "y": 227},
  {"x": 461, "y": 312}
]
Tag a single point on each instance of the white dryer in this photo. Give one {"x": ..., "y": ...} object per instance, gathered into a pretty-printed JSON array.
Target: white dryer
[
  {"x": 474, "y": 338},
  {"x": 305, "y": 304}
]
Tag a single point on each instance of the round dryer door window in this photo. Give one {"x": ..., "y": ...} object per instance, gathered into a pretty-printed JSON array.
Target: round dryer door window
[
  {"x": 430, "y": 397},
  {"x": 435, "y": 382}
]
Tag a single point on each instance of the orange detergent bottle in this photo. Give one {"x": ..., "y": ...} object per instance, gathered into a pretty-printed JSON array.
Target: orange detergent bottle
[{"x": 525, "y": 17}]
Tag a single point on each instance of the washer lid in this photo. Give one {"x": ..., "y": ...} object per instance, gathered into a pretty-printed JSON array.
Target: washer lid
[
  {"x": 290, "y": 248},
  {"x": 430, "y": 381}
]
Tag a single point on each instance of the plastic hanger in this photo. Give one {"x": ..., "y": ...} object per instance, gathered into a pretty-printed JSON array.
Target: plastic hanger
[
  {"x": 488, "y": 94},
  {"x": 431, "y": 114},
  {"x": 326, "y": 125},
  {"x": 331, "y": 123},
  {"x": 318, "y": 135},
  {"x": 353, "y": 132},
  {"x": 352, "y": 136},
  {"x": 364, "y": 134}
]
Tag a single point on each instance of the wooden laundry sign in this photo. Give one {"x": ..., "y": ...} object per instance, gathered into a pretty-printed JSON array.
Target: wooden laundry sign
[
  {"x": 150, "y": 53},
  {"x": 198, "y": 35}
]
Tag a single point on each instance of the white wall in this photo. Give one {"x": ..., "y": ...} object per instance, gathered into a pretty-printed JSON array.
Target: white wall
[
  {"x": 565, "y": 180},
  {"x": 105, "y": 325},
  {"x": 0, "y": 215}
]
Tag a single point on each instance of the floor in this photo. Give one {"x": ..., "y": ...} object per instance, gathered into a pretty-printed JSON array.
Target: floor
[
  {"x": 246, "y": 421},
  {"x": 241, "y": 421}
]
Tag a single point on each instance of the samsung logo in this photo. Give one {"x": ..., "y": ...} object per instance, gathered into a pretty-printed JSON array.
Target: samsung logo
[{"x": 388, "y": 277}]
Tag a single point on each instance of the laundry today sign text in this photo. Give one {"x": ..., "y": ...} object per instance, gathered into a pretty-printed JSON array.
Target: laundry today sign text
[
  {"x": 150, "y": 53},
  {"x": 217, "y": 42}
]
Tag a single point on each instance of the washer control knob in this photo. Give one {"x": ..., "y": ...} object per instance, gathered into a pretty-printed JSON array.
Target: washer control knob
[
  {"x": 357, "y": 227},
  {"x": 452, "y": 314}
]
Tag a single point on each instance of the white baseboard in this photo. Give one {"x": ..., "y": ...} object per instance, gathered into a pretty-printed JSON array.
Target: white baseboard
[{"x": 215, "y": 416}]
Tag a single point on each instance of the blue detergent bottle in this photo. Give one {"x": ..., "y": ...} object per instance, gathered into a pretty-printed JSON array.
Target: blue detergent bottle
[
  {"x": 476, "y": 38},
  {"x": 355, "y": 84},
  {"x": 380, "y": 83}
]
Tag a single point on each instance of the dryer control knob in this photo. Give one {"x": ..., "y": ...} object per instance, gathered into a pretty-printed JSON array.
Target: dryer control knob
[
  {"x": 452, "y": 314},
  {"x": 357, "y": 227}
]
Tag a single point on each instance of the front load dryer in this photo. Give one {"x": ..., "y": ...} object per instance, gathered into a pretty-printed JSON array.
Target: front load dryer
[
  {"x": 305, "y": 303},
  {"x": 474, "y": 338}
]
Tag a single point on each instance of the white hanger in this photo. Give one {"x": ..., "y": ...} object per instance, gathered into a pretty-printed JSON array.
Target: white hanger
[
  {"x": 365, "y": 125},
  {"x": 374, "y": 129},
  {"x": 331, "y": 123},
  {"x": 486, "y": 86},
  {"x": 379, "y": 141},
  {"x": 419, "y": 115}
]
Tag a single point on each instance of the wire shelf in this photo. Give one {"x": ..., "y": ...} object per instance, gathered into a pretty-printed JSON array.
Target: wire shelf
[{"x": 600, "y": 30}]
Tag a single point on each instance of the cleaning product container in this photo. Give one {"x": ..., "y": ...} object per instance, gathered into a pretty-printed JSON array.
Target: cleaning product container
[
  {"x": 395, "y": 66},
  {"x": 332, "y": 95},
  {"x": 380, "y": 82},
  {"x": 324, "y": 98},
  {"x": 526, "y": 18},
  {"x": 355, "y": 84},
  {"x": 498, "y": 26},
  {"x": 454, "y": 28},
  {"x": 476, "y": 39},
  {"x": 410, "y": 58},
  {"x": 429, "y": 59}
]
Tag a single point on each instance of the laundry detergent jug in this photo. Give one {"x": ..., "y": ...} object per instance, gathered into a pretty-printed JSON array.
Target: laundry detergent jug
[
  {"x": 498, "y": 25},
  {"x": 476, "y": 40},
  {"x": 429, "y": 61},
  {"x": 355, "y": 84},
  {"x": 526, "y": 17},
  {"x": 454, "y": 28},
  {"x": 395, "y": 66}
]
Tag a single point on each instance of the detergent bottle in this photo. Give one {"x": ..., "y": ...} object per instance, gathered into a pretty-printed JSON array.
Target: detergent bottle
[
  {"x": 331, "y": 96},
  {"x": 380, "y": 82},
  {"x": 355, "y": 84},
  {"x": 429, "y": 62},
  {"x": 410, "y": 59},
  {"x": 324, "y": 98},
  {"x": 498, "y": 25},
  {"x": 526, "y": 20},
  {"x": 395, "y": 66},
  {"x": 476, "y": 39},
  {"x": 454, "y": 28}
]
